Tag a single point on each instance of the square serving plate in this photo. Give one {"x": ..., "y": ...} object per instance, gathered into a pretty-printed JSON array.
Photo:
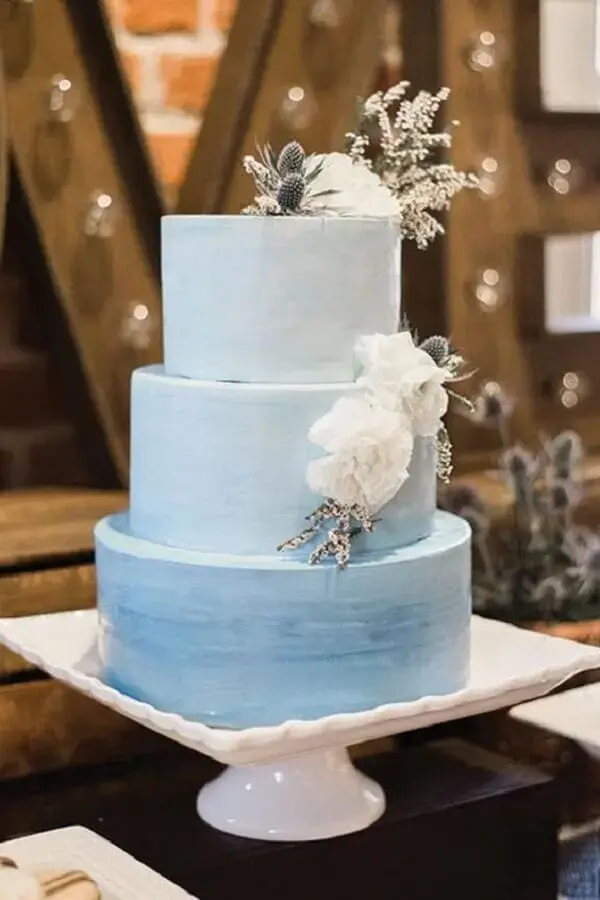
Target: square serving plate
[
  {"x": 118, "y": 875},
  {"x": 573, "y": 714}
]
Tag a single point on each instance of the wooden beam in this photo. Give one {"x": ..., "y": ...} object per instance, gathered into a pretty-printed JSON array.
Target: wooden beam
[
  {"x": 216, "y": 154},
  {"x": 60, "y": 165},
  {"x": 424, "y": 273},
  {"x": 3, "y": 156}
]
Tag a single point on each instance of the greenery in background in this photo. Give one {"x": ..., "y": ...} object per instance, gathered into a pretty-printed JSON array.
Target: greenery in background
[{"x": 535, "y": 563}]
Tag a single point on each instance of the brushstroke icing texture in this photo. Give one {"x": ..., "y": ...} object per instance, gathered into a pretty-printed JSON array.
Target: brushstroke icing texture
[{"x": 200, "y": 614}]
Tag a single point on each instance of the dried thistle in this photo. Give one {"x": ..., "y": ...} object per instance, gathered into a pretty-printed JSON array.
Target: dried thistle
[
  {"x": 350, "y": 521},
  {"x": 565, "y": 453},
  {"x": 438, "y": 348},
  {"x": 442, "y": 353},
  {"x": 534, "y": 563},
  {"x": 492, "y": 408},
  {"x": 284, "y": 182},
  {"x": 396, "y": 137}
]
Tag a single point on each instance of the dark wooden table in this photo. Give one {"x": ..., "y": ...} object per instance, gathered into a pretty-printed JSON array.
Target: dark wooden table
[{"x": 460, "y": 822}]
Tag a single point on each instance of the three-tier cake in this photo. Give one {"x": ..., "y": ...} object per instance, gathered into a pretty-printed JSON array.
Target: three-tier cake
[{"x": 282, "y": 557}]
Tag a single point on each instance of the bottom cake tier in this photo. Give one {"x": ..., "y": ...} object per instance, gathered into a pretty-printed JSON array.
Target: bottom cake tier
[{"x": 245, "y": 641}]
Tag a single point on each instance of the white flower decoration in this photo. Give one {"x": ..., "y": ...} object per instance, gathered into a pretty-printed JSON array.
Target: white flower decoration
[
  {"x": 404, "y": 379},
  {"x": 357, "y": 191},
  {"x": 369, "y": 451}
]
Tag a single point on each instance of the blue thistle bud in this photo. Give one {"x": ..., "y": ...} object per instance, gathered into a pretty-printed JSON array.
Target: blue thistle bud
[
  {"x": 492, "y": 406},
  {"x": 438, "y": 348},
  {"x": 291, "y": 191},
  {"x": 551, "y": 593},
  {"x": 561, "y": 496},
  {"x": 565, "y": 453},
  {"x": 519, "y": 462},
  {"x": 291, "y": 158},
  {"x": 479, "y": 521},
  {"x": 464, "y": 496}
]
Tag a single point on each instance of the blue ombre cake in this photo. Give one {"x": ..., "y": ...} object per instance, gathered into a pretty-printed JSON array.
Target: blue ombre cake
[{"x": 200, "y": 613}]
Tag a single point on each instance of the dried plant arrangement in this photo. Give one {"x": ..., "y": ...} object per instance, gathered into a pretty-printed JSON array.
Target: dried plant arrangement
[
  {"x": 369, "y": 438},
  {"x": 535, "y": 564},
  {"x": 390, "y": 170},
  {"x": 396, "y": 138},
  {"x": 390, "y": 167}
]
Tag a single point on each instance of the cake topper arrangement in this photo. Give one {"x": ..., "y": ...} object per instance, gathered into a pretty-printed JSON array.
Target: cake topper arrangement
[
  {"x": 390, "y": 169},
  {"x": 368, "y": 438}
]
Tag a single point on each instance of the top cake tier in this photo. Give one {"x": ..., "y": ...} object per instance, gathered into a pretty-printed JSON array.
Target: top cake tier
[{"x": 275, "y": 299}]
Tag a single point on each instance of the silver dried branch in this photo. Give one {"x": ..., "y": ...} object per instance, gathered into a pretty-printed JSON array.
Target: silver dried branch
[
  {"x": 337, "y": 544},
  {"x": 306, "y": 535},
  {"x": 350, "y": 520},
  {"x": 444, "y": 455},
  {"x": 399, "y": 135}
]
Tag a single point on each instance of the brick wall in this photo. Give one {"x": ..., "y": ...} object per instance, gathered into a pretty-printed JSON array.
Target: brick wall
[{"x": 170, "y": 50}]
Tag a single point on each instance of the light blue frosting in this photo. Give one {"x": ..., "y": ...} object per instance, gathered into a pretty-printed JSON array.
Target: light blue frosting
[
  {"x": 240, "y": 641},
  {"x": 272, "y": 299},
  {"x": 222, "y": 467},
  {"x": 199, "y": 613}
]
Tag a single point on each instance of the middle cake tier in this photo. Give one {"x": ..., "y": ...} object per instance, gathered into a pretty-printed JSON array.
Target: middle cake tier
[{"x": 221, "y": 467}]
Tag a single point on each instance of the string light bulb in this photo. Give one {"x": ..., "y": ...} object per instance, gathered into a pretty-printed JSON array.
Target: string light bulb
[
  {"x": 63, "y": 99},
  {"x": 297, "y": 107},
  {"x": 489, "y": 289},
  {"x": 483, "y": 53},
  {"x": 325, "y": 14},
  {"x": 138, "y": 327},
  {"x": 572, "y": 390},
  {"x": 489, "y": 175},
  {"x": 101, "y": 216},
  {"x": 564, "y": 176}
]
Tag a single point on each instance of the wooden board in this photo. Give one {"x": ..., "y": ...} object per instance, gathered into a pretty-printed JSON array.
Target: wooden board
[
  {"x": 46, "y": 555},
  {"x": 42, "y": 526},
  {"x": 46, "y": 726},
  {"x": 498, "y": 120}
]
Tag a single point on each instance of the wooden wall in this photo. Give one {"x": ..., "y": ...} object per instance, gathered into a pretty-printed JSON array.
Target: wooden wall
[{"x": 502, "y": 121}]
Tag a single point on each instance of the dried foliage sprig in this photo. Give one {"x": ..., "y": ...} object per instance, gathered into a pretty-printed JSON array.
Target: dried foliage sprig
[
  {"x": 349, "y": 522},
  {"x": 535, "y": 563},
  {"x": 284, "y": 182},
  {"x": 396, "y": 136},
  {"x": 440, "y": 350}
]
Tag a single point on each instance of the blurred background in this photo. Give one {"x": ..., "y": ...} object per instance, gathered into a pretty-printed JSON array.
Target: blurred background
[
  {"x": 113, "y": 112},
  {"x": 120, "y": 110}
]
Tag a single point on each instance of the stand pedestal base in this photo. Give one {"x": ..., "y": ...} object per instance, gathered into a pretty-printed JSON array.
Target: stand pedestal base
[{"x": 311, "y": 797}]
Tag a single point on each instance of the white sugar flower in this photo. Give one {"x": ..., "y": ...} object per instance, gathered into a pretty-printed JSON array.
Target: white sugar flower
[
  {"x": 356, "y": 189},
  {"x": 404, "y": 379},
  {"x": 369, "y": 451}
]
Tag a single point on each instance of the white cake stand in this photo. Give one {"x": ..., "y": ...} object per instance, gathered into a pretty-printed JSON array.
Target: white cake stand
[{"x": 295, "y": 781}]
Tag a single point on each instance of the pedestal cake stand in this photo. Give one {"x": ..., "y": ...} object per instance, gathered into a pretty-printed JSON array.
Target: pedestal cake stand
[{"x": 296, "y": 781}]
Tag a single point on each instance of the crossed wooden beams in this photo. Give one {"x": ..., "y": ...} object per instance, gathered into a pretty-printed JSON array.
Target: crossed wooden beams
[
  {"x": 69, "y": 140},
  {"x": 76, "y": 138}
]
